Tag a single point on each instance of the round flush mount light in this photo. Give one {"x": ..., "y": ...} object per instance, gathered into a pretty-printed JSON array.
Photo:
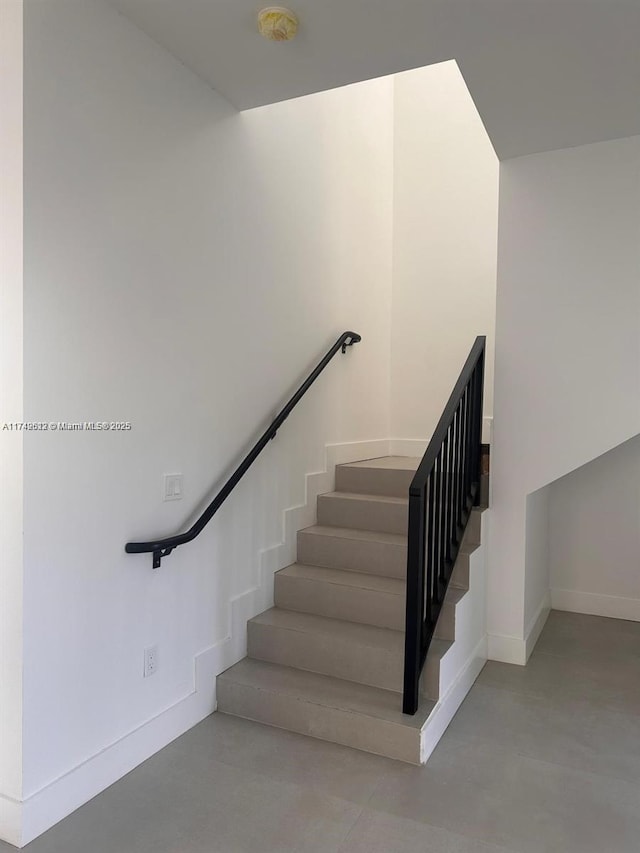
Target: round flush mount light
[{"x": 277, "y": 23}]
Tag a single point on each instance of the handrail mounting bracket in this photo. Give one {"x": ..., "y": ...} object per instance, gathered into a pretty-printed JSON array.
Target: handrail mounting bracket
[
  {"x": 352, "y": 340},
  {"x": 159, "y": 554}
]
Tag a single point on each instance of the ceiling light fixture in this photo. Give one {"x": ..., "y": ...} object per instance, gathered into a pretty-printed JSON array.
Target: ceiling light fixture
[{"x": 277, "y": 23}]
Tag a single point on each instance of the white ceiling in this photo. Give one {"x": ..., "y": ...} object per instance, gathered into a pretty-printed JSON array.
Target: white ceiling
[{"x": 544, "y": 74}]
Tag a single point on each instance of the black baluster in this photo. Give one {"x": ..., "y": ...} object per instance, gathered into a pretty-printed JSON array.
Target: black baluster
[{"x": 413, "y": 611}]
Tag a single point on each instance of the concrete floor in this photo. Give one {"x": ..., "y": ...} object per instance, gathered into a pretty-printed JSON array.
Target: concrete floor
[{"x": 539, "y": 758}]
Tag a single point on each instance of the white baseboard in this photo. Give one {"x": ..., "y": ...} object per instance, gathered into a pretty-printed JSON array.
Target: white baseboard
[
  {"x": 407, "y": 446},
  {"x": 418, "y": 446},
  {"x": 517, "y": 650},
  {"x": 446, "y": 707},
  {"x": 612, "y": 606},
  {"x": 536, "y": 624},
  {"x": 506, "y": 649},
  {"x": 21, "y": 823},
  {"x": 10, "y": 821}
]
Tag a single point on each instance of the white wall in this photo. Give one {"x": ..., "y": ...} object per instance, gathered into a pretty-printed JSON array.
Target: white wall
[
  {"x": 594, "y": 536},
  {"x": 444, "y": 244},
  {"x": 11, "y": 410},
  {"x": 185, "y": 267},
  {"x": 567, "y": 345}
]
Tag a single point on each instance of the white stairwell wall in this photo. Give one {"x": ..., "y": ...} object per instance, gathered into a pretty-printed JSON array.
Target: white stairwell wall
[
  {"x": 170, "y": 243},
  {"x": 445, "y": 233},
  {"x": 567, "y": 355},
  {"x": 185, "y": 267}
]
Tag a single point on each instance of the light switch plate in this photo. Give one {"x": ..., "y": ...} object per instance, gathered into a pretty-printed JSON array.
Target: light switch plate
[{"x": 172, "y": 487}]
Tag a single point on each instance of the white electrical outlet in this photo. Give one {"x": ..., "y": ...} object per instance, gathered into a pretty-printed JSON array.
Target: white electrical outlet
[
  {"x": 172, "y": 487},
  {"x": 150, "y": 661}
]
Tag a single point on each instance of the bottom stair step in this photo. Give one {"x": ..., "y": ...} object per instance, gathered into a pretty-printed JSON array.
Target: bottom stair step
[
  {"x": 346, "y": 650},
  {"x": 320, "y": 706}
]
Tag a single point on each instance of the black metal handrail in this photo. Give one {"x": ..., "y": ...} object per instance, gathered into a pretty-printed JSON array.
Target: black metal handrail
[
  {"x": 163, "y": 547},
  {"x": 442, "y": 494}
]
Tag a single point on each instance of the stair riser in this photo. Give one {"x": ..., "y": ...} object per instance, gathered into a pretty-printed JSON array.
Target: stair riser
[
  {"x": 373, "y": 481},
  {"x": 319, "y": 721},
  {"x": 326, "y": 655},
  {"x": 355, "y": 555},
  {"x": 365, "y": 514},
  {"x": 368, "y": 607}
]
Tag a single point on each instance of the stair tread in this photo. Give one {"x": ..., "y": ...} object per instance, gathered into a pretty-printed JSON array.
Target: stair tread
[
  {"x": 353, "y": 632},
  {"x": 355, "y": 533},
  {"x": 360, "y": 580},
  {"x": 393, "y": 463},
  {"x": 356, "y": 496},
  {"x": 324, "y": 690}
]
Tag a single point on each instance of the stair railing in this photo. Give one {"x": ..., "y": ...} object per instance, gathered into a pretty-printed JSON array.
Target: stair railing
[
  {"x": 442, "y": 494},
  {"x": 163, "y": 547}
]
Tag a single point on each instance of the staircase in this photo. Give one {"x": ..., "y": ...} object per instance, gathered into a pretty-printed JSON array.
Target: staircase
[{"x": 327, "y": 660}]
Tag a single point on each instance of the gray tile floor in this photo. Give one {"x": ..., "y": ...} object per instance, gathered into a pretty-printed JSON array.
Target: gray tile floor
[{"x": 541, "y": 758}]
